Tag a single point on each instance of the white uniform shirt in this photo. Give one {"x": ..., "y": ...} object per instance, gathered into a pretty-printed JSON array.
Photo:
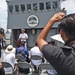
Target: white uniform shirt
[
  {"x": 35, "y": 51},
  {"x": 23, "y": 35}
]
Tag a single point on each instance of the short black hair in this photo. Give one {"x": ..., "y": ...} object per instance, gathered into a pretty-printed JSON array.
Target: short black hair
[
  {"x": 67, "y": 24},
  {"x": 1, "y": 31}
]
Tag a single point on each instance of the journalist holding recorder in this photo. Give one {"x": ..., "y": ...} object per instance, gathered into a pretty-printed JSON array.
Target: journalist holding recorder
[{"x": 61, "y": 58}]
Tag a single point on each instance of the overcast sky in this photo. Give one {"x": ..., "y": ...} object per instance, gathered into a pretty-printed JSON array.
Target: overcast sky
[
  {"x": 3, "y": 14},
  {"x": 69, "y": 6}
]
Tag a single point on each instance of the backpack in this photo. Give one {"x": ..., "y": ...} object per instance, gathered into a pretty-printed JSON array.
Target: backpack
[
  {"x": 67, "y": 62},
  {"x": 73, "y": 49},
  {"x": 70, "y": 47}
]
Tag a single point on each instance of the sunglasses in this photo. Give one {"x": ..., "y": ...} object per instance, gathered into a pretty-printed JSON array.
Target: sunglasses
[{"x": 10, "y": 49}]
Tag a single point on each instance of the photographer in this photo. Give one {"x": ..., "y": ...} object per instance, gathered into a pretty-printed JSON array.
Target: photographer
[{"x": 62, "y": 59}]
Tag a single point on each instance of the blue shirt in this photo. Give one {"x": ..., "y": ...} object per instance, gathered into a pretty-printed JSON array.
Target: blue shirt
[{"x": 22, "y": 50}]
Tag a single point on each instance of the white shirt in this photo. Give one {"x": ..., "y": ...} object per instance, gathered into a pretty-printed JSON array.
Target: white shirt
[
  {"x": 10, "y": 58},
  {"x": 35, "y": 51},
  {"x": 23, "y": 35}
]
